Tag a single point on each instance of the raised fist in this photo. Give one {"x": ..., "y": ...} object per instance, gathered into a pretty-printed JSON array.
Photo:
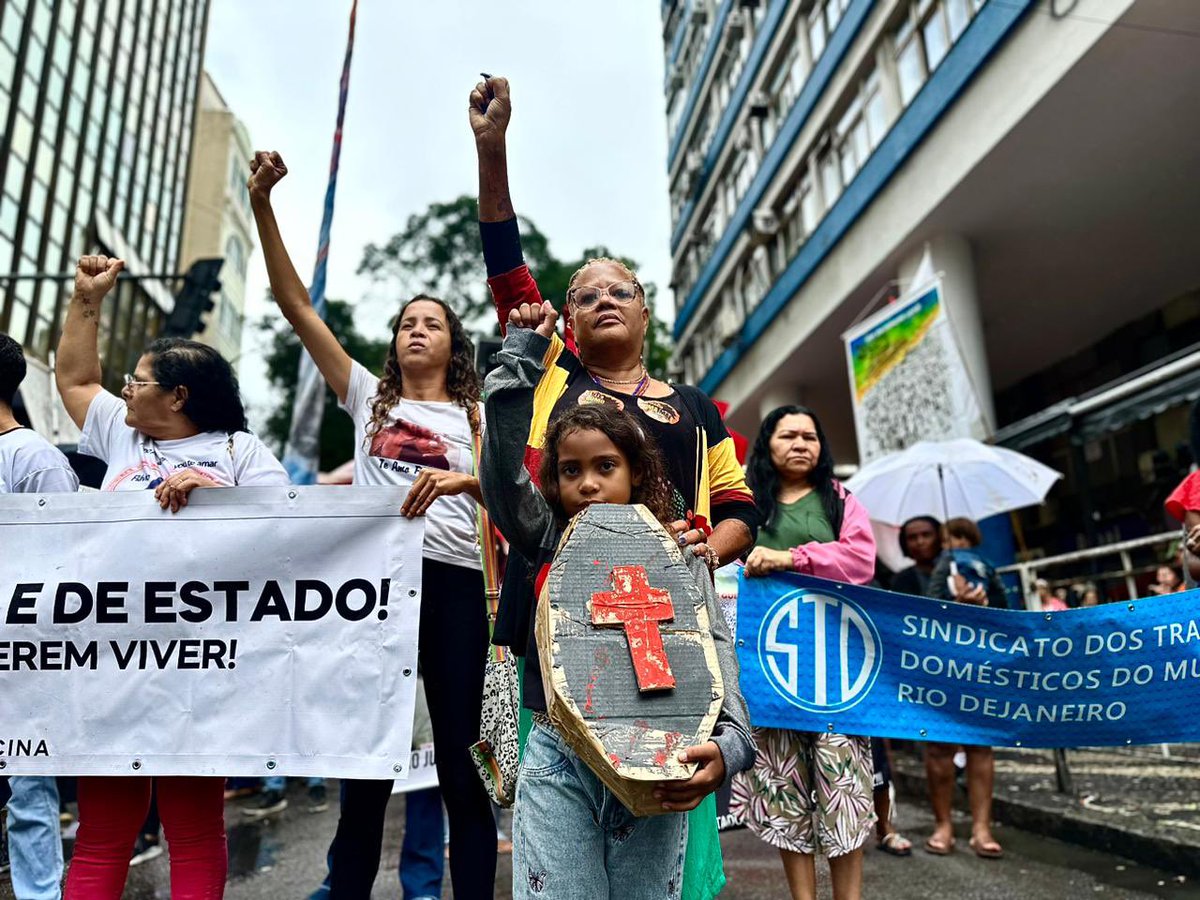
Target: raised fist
[
  {"x": 266, "y": 171},
  {"x": 490, "y": 109},
  {"x": 95, "y": 276},
  {"x": 530, "y": 315}
]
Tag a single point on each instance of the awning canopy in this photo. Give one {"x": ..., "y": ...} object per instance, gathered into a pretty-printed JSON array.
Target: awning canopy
[{"x": 1140, "y": 395}]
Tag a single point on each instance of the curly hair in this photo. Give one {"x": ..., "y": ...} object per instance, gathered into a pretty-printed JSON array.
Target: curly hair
[
  {"x": 651, "y": 488},
  {"x": 462, "y": 381}
]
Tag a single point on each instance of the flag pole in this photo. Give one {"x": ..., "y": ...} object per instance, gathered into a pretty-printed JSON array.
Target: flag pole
[{"x": 301, "y": 453}]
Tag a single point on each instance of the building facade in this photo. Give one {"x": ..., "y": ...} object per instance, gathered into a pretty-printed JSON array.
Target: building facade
[
  {"x": 1038, "y": 157},
  {"x": 97, "y": 101},
  {"x": 218, "y": 221}
]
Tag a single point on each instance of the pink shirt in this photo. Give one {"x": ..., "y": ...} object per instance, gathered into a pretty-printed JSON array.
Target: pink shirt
[{"x": 851, "y": 558}]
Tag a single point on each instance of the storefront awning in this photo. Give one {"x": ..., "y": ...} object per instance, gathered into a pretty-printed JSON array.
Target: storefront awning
[{"x": 1139, "y": 395}]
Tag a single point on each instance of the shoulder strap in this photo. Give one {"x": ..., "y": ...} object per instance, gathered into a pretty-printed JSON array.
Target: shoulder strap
[{"x": 487, "y": 547}]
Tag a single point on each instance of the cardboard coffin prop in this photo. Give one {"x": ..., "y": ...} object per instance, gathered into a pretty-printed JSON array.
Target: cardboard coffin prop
[{"x": 628, "y": 660}]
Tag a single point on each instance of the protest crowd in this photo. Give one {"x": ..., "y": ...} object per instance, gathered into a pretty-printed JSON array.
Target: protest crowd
[{"x": 501, "y": 469}]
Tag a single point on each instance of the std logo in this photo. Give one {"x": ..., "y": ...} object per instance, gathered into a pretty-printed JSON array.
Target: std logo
[{"x": 819, "y": 652}]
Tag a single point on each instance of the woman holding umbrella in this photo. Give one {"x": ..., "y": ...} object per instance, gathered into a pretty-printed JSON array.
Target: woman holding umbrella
[{"x": 808, "y": 793}]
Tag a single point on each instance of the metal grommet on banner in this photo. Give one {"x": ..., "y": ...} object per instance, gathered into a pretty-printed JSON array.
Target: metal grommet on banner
[
  {"x": 1016, "y": 743},
  {"x": 397, "y": 768},
  {"x": 271, "y": 764},
  {"x": 945, "y": 606},
  {"x": 923, "y": 732},
  {"x": 1128, "y": 740},
  {"x": 407, "y": 672},
  {"x": 291, "y": 495},
  {"x": 1047, "y": 617},
  {"x": 136, "y": 764},
  {"x": 1131, "y": 607},
  {"x": 741, "y": 643},
  {"x": 41, "y": 501},
  {"x": 412, "y": 592},
  {"x": 829, "y": 727},
  {"x": 3, "y": 764}
]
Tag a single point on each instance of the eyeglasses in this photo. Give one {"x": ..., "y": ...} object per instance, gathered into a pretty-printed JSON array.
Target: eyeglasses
[
  {"x": 623, "y": 292},
  {"x": 131, "y": 382}
]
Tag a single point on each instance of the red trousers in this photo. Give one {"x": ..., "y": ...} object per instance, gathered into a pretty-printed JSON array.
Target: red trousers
[{"x": 111, "y": 810}]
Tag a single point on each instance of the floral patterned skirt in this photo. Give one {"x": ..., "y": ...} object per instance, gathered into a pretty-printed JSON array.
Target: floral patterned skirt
[{"x": 808, "y": 792}]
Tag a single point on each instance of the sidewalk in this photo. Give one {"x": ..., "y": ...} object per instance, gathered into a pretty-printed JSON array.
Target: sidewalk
[{"x": 1131, "y": 802}]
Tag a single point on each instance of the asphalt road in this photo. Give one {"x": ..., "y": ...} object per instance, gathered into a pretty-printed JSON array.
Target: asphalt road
[{"x": 284, "y": 858}]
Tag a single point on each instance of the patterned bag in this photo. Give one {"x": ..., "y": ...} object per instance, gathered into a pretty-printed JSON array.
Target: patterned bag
[{"x": 497, "y": 753}]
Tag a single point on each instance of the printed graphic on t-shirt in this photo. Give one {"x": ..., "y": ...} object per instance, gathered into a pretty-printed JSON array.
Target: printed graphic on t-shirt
[
  {"x": 149, "y": 474},
  {"x": 405, "y": 441}
]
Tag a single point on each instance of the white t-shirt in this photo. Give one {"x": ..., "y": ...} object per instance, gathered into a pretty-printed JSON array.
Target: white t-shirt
[
  {"x": 30, "y": 464},
  {"x": 418, "y": 434},
  {"x": 137, "y": 462}
]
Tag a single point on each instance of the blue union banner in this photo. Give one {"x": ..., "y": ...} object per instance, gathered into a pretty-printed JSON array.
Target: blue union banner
[{"x": 821, "y": 656}]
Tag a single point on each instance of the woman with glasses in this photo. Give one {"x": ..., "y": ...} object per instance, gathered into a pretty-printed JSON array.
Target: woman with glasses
[
  {"x": 415, "y": 427},
  {"x": 601, "y": 362},
  {"x": 178, "y": 425}
]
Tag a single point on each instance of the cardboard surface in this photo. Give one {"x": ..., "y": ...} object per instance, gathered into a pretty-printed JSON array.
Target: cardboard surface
[{"x": 629, "y": 734}]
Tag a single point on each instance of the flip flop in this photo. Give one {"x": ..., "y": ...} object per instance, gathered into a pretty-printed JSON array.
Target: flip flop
[
  {"x": 938, "y": 847},
  {"x": 987, "y": 849},
  {"x": 895, "y": 844}
]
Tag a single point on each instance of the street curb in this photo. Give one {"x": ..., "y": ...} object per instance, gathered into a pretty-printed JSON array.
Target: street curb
[{"x": 1074, "y": 828}]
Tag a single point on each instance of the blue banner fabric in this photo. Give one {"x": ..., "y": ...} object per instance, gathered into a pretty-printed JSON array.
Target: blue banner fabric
[{"x": 817, "y": 655}]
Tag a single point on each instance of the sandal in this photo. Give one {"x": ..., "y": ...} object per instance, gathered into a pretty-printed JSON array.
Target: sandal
[
  {"x": 939, "y": 847},
  {"x": 895, "y": 843},
  {"x": 988, "y": 849}
]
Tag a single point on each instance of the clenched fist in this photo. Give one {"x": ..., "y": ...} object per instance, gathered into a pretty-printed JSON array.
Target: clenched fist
[
  {"x": 266, "y": 171},
  {"x": 490, "y": 109},
  {"x": 95, "y": 276},
  {"x": 541, "y": 319}
]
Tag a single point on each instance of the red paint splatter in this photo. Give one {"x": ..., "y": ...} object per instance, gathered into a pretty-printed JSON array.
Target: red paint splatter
[{"x": 615, "y": 760}]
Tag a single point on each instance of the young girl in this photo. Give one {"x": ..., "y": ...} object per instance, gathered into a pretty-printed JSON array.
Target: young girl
[{"x": 592, "y": 454}]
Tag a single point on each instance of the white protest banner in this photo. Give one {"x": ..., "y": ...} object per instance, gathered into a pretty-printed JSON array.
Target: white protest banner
[
  {"x": 908, "y": 380},
  {"x": 258, "y": 631}
]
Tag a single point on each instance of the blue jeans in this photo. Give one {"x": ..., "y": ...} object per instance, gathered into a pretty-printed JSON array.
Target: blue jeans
[
  {"x": 573, "y": 840},
  {"x": 422, "y": 857},
  {"x": 34, "y": 843},
  {"x": 279, "y": 783}
]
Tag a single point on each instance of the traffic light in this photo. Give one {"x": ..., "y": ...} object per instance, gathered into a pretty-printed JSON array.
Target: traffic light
[{"x": 194, "y": 298}]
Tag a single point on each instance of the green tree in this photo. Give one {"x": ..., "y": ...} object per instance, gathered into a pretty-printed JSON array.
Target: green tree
[
  {"x": 439, "y": 252},
  {"x": 283, "y": 366}
]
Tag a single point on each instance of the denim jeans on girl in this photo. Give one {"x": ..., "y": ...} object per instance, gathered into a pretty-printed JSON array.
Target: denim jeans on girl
[
  {"x": 573, "y": 840},
  {"x": 34, "y": 843}
]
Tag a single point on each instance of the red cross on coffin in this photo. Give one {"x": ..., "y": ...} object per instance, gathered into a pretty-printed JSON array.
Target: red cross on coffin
[
  {"x": 638, "y": 608},
  {"x": 629, "y": 665}
]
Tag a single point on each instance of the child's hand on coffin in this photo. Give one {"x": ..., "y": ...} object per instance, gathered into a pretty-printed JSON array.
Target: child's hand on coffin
[
  {"x": 541, "y": 318},
  {"x": 764, "y": 561},
  {"x": 680, "y": 796}
]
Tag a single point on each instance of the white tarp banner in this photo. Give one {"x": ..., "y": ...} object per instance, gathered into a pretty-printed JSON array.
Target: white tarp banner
[
  {"x": 259, "y": 631},
  {"x": 908, "y": 380}
]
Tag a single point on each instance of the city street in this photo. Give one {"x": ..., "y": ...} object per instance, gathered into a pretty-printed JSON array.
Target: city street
[{"x": 283, "y": 858}]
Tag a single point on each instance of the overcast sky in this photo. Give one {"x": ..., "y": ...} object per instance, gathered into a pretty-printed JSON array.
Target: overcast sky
[{"x": 587, "y": 142}]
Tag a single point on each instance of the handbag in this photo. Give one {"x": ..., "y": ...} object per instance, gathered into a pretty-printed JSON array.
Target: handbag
[{"x": 496, "y": 754}]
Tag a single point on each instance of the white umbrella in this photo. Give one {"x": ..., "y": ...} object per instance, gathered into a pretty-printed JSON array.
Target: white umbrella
[{"x": 942, "y": 479}]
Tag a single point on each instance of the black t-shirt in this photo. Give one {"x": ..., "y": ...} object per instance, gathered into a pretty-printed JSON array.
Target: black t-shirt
[{"x": 911, "y": 581}]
